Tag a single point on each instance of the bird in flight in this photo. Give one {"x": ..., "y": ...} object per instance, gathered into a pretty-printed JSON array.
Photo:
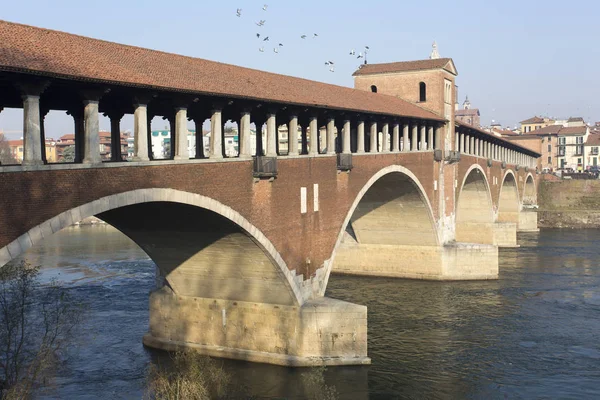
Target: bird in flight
[
  {"x": 330, "y": 62},
  {"x": 360, "y": 55},
  {"x": 315, "y": 35},
  {"x": 239, "y": 12},
  {"x": 261, "y": 22},
  {"x": 258, "y": 35},
  {"x": 275, "y": 50},
  {"x": 266, "y": 39},
  {"x": 303, "y": 37},
  {"x": 332, "y": 69},
  {"x": 367, "y": 47},
  {"x": 265, "y": 7},
  {"x": 280, "y": 44},
  {"x": 352, "y": 52},
  {"x": 262, "y": 49}
]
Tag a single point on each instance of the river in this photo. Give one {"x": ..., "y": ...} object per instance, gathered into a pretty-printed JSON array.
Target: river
[{"x": 534, "y": 333}]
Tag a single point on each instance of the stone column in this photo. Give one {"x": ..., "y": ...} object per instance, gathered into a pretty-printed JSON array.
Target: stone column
[
  {"x": 43, "y": 112},
  {"x": 396, "y": 138},
  {"x": 198, "y": 122},
  {"x": 140, "y": 133},
  {"x": 181, "y": 134},
  {"x": 346, "y": 149},
  {"x": 422, "y": 138},
  {"x": 430, "y": 145},
  {"x": 32, "y": 146},
  {"x": 360, "y": 137},
  {"x": 462, "y": 143},
  {"x": 414, "y": 140},
  {"x": 471, "y": 145},
  {"x": 91, "y": 133},
  {"x": 406, "y": 142},
  {"x": 314, "y": 136},
  {"x": 330, "y": 136},
  {"x": 385, "y": 132},
  {"x": 437, "y": 140},
  {"x": 293, "y": 136},
  {"x": 244, "y": 134},
  {"x": 477, "y": 147},
  {"x": 115, "y": 135},
  {"x": 373, "y": 138},
  {"x": 216, "y": 135},
  {"x": 271, "y": 135},
  {"x": 304, "y": 137}
]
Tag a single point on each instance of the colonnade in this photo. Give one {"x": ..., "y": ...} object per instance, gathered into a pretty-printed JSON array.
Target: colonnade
[{"x": 476, "y": 146}]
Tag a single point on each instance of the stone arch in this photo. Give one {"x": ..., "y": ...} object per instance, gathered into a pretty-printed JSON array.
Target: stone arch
[
  {"x": 474, "y": 208},
  {"x": 391, "y": 209},
  {"x": 529, "y": 191},
  {"x": 283, "y": 281},
  {"x": 508, "y": 199}
]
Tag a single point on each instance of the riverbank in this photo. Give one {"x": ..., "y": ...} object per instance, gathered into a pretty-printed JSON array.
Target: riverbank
[{"x": 569, "y": 204}]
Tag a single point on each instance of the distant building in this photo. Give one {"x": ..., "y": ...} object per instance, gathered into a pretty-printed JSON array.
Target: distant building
[
  {"x": 575, "y": 121},
  {"x": 592, "y": 145},
  {"x": 543, "y": 141},
  {"x": 571, "y": 142},
  {"x": 468, "y": 115},
  {"x": 532, "y": 124},
  {"x": 16, "y": 149}
]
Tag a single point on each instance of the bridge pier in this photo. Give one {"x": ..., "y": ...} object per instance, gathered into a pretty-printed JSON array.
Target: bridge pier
[
  {"x": 528, "y": 221},
  {"x": 457, "y": 261},
  {"x": 320, "y": 332}
]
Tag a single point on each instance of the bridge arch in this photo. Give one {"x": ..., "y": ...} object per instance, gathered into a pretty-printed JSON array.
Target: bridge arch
[
  {"x": 474, "y": 208},
  {"x": 281, "y": 286},
  {"x": 391, "y": 209},
  {"x": 509, "y": 205},
  {"x": 529, "y": 191}
]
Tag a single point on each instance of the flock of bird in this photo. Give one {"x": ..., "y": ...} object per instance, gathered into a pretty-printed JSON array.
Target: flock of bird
[{"x": 330, "y": 64}]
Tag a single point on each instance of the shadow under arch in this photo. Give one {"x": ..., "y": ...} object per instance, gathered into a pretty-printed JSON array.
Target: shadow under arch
[
  {"x": 390, "y": 211},
  {"x": 134, "y": 213},
  {"x": 509, "y": 205},
  {"x": 474, "y": 208},
  {"x": 529, "y": 191}
]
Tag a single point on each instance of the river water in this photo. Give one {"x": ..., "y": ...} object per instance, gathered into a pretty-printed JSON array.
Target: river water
[{"x": 534, "y": 333}]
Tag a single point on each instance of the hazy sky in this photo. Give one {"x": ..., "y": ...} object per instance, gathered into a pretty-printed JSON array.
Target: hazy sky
[{"x": 515, "y": 58}]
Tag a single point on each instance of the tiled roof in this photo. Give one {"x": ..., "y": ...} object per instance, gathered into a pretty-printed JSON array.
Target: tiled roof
[
  {"x": 573, "y": 131},
  {"x": 593, "y": 140},
  {"x": 46, "y": 52},
  {"x": 575, "y": 119},
  {"x": 470, "y": 111},
  {"x": 505, "y": 132},
  {"x": 402, "y": 66},
  {"x": 547, "y": 130},
  {"x": 15, "y": 142},
  {"x": 534, "y": 120}
]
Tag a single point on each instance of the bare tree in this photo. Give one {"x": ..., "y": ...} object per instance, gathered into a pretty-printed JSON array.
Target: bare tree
[
  {"x": 36, "y": 323},
  {"x": 6, "y": 156}
]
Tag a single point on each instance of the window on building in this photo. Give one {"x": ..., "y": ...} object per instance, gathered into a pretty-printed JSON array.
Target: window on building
[
  {"x": 549, "y": 148},
  {"x": 422, "y": 91},
  {"x": 578, "y": 161},
  {"x": 549, "y": 160},
  {"x": 373, "y": 88}
]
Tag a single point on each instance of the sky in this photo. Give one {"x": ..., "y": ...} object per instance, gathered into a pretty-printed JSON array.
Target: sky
[{"x": 515, "y": 59}]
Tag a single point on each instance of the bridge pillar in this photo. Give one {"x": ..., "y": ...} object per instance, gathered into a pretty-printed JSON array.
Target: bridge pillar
[
  {"x": 430, "y": 144},
  {"x": 346, "y": 149},
  {"x": 323, "y": 331},
  {"x": 396, "y": 138},
  {"x": 216, "y": 135},
  {"x": 293, "y": 135},
  {"x": 314, "y": 136},
  {"x": 140, "y": 133},
  {"x": 360, "y": 137},
  {"x": 373, "y": 138},
  {"x": 414, "y": 146},
  {"x": 32, "y": 146},
  {"x": 244, "y": 131},
  {"x": 528, "y": 221},
  {"x": 271, "y": 135},
  {"x": 422, "y": 138},
  {"x": 385, "y": 143},
  {"x": 181, "y": 133},
  {"x": 330, "y": 135},
  {"x": 405, "y": 139},
  {"x": 91, "y": 133}
]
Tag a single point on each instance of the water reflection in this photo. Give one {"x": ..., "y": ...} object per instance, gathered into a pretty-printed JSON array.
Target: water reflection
[{"x": 531, "y": 334}]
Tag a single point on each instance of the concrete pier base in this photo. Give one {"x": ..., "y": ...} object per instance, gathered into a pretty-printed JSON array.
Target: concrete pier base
[
  {"x": 528, "y": 221},
  {"x": 321, "y": 332},
  {"x": 505, "y": 234},
  {"x": 459, "y": 261}
]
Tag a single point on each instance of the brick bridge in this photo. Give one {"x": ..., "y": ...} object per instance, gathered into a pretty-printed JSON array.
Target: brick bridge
[{"x": 382, "y": 184}]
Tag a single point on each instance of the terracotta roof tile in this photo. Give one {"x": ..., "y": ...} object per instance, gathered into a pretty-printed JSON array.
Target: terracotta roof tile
[
  {"x": 573, "y": 131},
  {"x": 593, "y": 140},
  {"x": 402, "y": 66},
  {"x": 547, "y": 130},
  {"x": 534, "y": 120},
  {"x": 470, "y": 111},
  {"x": 52, "y": 53}
]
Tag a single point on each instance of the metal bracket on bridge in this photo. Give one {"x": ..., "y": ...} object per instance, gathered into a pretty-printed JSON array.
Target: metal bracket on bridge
[
  {"x": 265, "y": 167},
  {"x": 344, "y": 162},
  {"x": 490, "y": 162},
  {"x": 503, "y": 164},
  {"x": 453, "y": 157}
]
